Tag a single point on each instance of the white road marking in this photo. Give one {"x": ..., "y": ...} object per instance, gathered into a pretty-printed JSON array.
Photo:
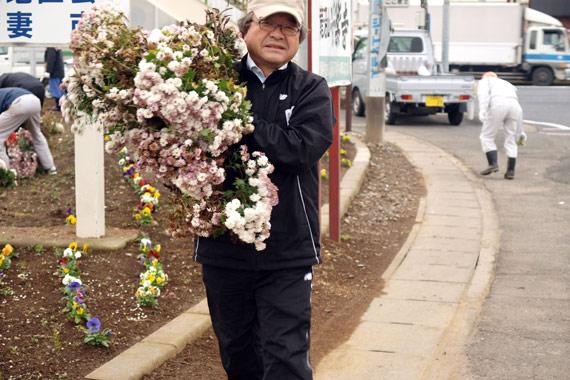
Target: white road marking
[{"x": 557, "y": 126}]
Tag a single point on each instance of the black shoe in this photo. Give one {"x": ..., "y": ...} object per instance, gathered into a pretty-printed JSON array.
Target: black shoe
[
  {"x": 58, "y": 109},
  {"x": 511, "y": 163},
  {"x": 492, "y": 159}
]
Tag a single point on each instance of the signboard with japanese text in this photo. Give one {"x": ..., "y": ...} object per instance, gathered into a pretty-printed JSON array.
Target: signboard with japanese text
[
  {"x": 43, "y": 22},
  {"x": 379, "y": 32},
  {"x": 332, "y": 41}
]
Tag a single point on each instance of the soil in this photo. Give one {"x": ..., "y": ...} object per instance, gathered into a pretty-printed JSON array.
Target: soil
[{"x": 38, "y": 340}]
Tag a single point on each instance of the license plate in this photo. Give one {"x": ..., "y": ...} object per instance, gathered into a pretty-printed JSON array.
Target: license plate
[{"x": 434, "y": 101}]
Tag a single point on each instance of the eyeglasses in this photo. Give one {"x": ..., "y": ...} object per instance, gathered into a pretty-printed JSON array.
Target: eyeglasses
[{"x": 269, "y": 26}]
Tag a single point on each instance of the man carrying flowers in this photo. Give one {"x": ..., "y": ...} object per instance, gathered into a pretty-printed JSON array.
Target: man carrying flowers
[{"x": 259, "y": 300}]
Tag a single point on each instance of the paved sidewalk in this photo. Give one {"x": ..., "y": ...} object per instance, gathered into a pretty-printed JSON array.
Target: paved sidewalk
[{"x": 435, "y": 286}]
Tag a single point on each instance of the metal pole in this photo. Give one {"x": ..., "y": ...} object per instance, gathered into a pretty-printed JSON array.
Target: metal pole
[
  {"x": 348, "y": 105},
  {"x": 424, "y": 6},
  {"x": 334, "y": 171},
  {"x": 445, "y": 37}
]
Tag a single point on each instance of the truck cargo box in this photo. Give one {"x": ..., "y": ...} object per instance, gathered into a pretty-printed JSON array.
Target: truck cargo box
[{"x": 479, "y": 33}]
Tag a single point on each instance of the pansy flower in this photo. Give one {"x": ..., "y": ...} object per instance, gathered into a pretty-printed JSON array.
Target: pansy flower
[{"x": 94, "y": 325}]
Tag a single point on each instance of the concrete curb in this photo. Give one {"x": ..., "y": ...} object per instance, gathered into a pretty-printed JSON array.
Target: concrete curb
[
  {"x": 449, "y": 360},
  {"x": 170, "y": 339},
  {"x": 351, "y": 182},
  {"x": 62, "y": 236}
]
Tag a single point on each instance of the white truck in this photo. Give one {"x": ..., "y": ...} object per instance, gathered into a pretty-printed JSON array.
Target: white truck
[
  {"x": 515, "y": 41},
  {"x": 413, "y": 84}
]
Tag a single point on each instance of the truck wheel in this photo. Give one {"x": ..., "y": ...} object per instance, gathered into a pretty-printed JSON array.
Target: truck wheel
[
  {"x": 455, "y": 116},
  {"x": 357, "y": 103},
  {"x": 389, "y": 116},
  {"x": 542, "y": 76}
]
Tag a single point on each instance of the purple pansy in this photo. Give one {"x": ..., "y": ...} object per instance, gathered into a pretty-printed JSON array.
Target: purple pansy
[{"x": 94, "y": 325}]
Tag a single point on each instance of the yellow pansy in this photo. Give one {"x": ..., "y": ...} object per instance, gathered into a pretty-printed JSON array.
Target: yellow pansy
[
  {"x": 342, "y": 151},
  {"x": 65, "y": 269},
  {"x": 157, "y": 248},
  {"x": 73, "y": 246},
  {"x": 1, "y": 259},
  {"x": 71, "y": 220},
  {"x": 146, "y": 211},
  {"x": 7, "y": 250},
  {"x": 155, "y": 262},
  {"x": 156, "y": 195},
  {"x": 75, "y": 304},
  {"x": 137, "y": 216},
  {"x": 158, "y": 280},
  {"x": 85, "y": 247},
  {"x": 79, "y": 311}
]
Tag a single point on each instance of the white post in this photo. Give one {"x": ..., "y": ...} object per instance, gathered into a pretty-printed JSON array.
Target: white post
[{"x": 90, "y": 182}]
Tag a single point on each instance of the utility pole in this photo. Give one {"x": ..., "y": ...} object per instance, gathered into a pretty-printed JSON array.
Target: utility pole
[
  {"x": 424, "y": 6},
  {"x": 375, "y": 99},
  {"x": 445, "y": 37}
]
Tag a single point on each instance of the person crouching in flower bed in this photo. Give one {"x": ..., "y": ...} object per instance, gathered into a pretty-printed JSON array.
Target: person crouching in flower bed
[
  {"x": 19, "y": 106},
  {"x": 260, "y": 301}
]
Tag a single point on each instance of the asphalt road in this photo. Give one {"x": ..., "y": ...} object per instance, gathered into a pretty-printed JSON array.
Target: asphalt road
[{"x": 524, "y": 330}]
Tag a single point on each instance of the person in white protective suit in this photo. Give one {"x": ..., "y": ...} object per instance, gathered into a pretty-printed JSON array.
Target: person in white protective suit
[{"x": 498, "y": 105}]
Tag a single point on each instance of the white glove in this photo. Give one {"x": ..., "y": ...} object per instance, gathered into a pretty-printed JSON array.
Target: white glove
[{"x": 46, "y": 75}]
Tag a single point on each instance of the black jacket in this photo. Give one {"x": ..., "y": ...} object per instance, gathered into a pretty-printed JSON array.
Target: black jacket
[
  {"x": 26, "y": 81},
  {"x": 54, "y": 63},
  {"x": 294, "y": 149}
]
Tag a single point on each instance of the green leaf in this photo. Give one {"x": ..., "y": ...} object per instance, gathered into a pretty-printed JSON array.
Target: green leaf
[{"x": 207, "y": 134}]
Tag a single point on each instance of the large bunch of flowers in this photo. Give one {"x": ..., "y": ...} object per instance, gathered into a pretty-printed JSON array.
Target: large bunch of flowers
[
  {"x": 75, "y": 296},
  {"x": 175, "y": 96},
  {"x": 100, "y": 85},
  {"x": 20, "y": 150}
]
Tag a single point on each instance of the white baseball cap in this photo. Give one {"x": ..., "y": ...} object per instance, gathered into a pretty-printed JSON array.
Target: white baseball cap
[{"x": 265, "y": 8}]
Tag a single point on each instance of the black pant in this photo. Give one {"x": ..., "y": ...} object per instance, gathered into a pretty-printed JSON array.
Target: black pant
[{"x": 262, "y": 321}]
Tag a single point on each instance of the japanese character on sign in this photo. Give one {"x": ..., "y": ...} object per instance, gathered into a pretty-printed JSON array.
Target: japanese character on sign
[
  {"x": 75, "y": 17},
  {"x": 21, "y": 1},
  {"x": 19, "y": 24},
  {"x": 51, "y": 1},
  {"x": 334, "y": 20}
]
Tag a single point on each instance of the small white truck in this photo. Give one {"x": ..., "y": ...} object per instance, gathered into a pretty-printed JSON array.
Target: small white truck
[
  {"x": 511, "y": 39},
  {"x": 414, "y": 83}
]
